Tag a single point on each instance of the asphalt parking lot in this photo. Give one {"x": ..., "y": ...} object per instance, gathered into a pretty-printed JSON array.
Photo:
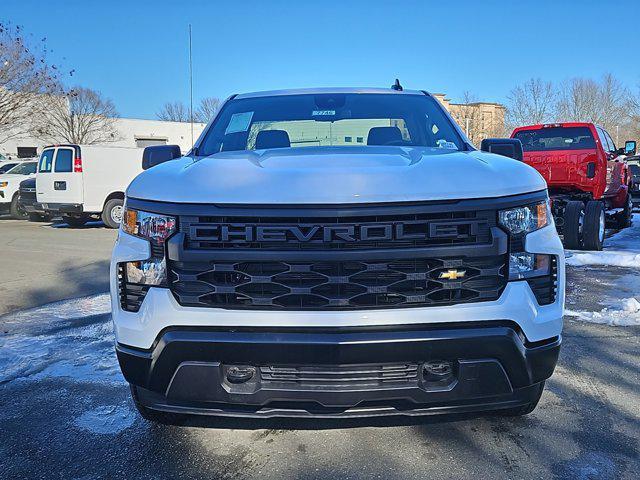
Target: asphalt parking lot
[{"x": 65, "y": 410}]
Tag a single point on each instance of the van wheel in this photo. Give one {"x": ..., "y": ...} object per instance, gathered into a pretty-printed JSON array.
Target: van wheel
[
  {"x": 573, "y": 225},
  {"x": 594, "y": 226},
  {"x": 74, "y": 222},
  {"x": 623, "y": 219},
  {"x": 16, "y": 211},
  {"x": 112, "y": 213}
]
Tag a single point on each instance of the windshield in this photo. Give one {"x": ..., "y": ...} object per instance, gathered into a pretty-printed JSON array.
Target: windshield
[
  {"x": 26, "y": 168},
  {"x": 556, "y": 138},
  {"x": 326, "y": 120}
]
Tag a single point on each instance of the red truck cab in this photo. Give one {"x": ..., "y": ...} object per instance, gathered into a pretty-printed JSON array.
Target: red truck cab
[{"x": 580, "y": 163}]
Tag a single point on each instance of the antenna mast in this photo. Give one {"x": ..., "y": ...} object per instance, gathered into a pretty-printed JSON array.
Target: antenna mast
[{"x": 190, "y": 87}]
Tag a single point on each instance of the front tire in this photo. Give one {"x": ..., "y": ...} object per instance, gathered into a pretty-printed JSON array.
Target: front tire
[
  {"x": 594, "y": 226},
  {"x": 16, "y": 211},
  {"x": 573, "y": 225},
  {"x": 112, "y": 212},
  {"x": 623, "y": 219}
]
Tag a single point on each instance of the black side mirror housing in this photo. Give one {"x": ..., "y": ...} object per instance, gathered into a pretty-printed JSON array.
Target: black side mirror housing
[
  {"x": 157, "y": 154},
  {"x": 630, "y": 147},
  {"x": 508, "y": 147}
]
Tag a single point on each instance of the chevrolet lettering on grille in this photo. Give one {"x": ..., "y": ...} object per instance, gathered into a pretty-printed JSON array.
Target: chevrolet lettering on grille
[{"x": 309, "y": 233}]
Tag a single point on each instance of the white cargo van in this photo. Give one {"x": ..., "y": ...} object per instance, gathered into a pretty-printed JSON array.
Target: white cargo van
[{"x": 84, "y": 181}]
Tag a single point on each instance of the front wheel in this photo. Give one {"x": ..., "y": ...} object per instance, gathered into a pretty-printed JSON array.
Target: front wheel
[
  {"x": 623, "y": 218},
  {"x": 594, "y": 225},
  {"x": 112, "y": 213},
  {"x": 16, "y": 210}
]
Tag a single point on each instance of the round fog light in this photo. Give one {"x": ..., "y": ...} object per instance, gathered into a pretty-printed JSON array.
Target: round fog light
[{"x": 240, "y": 374}]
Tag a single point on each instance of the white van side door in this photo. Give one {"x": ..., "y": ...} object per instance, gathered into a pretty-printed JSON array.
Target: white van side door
[
  {"x": 44, "y": 182},
  {"x": 63, "y": 184}
]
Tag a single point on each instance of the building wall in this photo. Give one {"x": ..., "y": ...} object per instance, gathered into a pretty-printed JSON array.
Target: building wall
[
  {"x": 478, "y": 119},
  {"x": 132, "y": 132}
]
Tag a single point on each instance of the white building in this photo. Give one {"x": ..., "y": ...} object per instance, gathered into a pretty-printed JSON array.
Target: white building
[{"x": 132, "y": 132}]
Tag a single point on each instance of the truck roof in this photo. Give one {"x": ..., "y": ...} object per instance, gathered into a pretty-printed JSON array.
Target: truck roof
[
  {"x": 554, "y": 124},
  {"x": 316, "y": 91}
]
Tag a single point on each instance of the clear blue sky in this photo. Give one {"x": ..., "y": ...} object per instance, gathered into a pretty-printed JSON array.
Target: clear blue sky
[{"x": 135, "y": 52}]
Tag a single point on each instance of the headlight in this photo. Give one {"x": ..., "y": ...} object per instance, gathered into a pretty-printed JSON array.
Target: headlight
[
  {"x": 152, "y": 226},
  {"x": 157, "y": 229},
  {"x": 526, "y": 219},
  {"x": 3, "y": 184},
  {"x": 523, "y": 265}
]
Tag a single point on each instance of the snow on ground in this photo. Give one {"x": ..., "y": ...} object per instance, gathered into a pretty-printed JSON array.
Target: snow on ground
[
  {"x": 621, "y": 250},
  {"x": 70, "y": 339},
  {"x": 626, "y": 314}
]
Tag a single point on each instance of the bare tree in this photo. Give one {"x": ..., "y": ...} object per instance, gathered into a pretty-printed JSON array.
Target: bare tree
[
  {"x": 26, "y": 81},
  {"x": 80, "y": 116},
  {"x": 207, "y": 110},
  {"x": 174, "y": 112},
  {"x": 607, "y": 103},
  {"x": 531, "y": 103}
]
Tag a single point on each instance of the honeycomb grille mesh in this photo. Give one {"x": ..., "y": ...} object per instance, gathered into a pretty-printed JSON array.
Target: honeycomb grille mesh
[{"x": 339, "y": 285}]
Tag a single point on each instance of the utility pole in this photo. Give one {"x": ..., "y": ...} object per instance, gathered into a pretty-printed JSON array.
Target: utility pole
[{"x": 190, "y": 87}]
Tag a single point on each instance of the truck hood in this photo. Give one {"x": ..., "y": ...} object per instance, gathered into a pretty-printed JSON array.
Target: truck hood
[
  {"x": 333, "y": 175},
  {"x": 12, "y": 177}
]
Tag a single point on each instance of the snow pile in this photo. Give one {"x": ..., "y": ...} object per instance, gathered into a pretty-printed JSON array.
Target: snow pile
[
  {"x": 615, "y": 259},
  {"x": 628, "y": 314},
  {"x": 621, "y": 250},
  {"x": 71, "y": 339}
]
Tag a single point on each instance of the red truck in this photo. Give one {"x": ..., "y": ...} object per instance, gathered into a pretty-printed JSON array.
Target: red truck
[{"x": 588, "y": 178}]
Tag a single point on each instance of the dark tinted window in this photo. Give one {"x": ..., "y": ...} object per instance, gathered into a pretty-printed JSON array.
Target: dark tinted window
[
  {"x": 635, "y": 170},
  {"x": 46, "y": 161},
  {"x": 326, "y": 120},
  {"x": 6, "y": 167},
  {"x": 556, "y": 138},
  {"x": 64, "y": 160}
]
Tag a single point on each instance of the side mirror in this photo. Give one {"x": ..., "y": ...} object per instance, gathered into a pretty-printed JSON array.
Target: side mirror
[
  {"x": 630, "y": 147},
  {"x": 157, "y": 154},
  {"x": 508, "y": 147}
]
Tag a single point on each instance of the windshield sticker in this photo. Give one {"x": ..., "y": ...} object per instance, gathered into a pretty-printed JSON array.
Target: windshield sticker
[
  {"x": 442, "y": 143},
  {"x": 239, "y": 122},
  {"x": 323, "y": 113}
]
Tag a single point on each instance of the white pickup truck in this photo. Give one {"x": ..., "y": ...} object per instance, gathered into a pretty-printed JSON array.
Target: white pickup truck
[
  {"x": 336, "y": 253},
  {"x": 10, "y": 187}
]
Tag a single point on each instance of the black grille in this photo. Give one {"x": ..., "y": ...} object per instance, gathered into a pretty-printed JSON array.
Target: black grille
[
  {"x": 337, "y": 376},
  {"x": 131, "y": 294},
  {"x": 443, "y": 228},
  {"x": 545, "y": 288},
  {"x": 338, "y": 285}
]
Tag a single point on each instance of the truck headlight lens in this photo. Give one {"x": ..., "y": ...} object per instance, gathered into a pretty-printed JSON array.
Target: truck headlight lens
[
  {"x": 3, "y": 184},
  {"x": 157, "y": 229},
  {"x": 526, "y": 219},
  {"x": 152, "y": 226},
  {"x": 523, "y": 265},
  {"x": 147, "y": 272}
]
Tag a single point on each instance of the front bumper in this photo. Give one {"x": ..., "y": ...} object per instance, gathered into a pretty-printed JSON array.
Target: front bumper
[
  {"x": 63, "y": 207},
  {"x": 339, "y": 373}
]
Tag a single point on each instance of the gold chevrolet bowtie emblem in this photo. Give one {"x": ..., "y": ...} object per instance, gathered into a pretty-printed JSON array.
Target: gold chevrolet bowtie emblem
[{"x": 452, "y": 274}]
